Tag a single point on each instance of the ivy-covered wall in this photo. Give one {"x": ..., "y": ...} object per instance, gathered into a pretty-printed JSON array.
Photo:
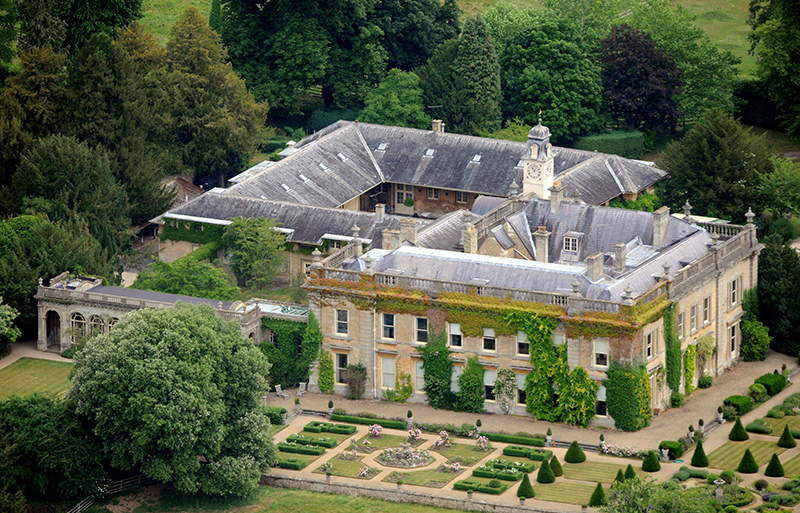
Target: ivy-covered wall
[
  {"x": 628, "y": 395},
  {"x": 295, "y": 348},
  {"x": 673, "y": 349},
  {"x": 198, "y": 233}
]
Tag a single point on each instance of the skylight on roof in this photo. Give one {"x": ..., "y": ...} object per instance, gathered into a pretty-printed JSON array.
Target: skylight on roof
[
  {"x": 520, "y": 163},
  {"x": 382, "y": 146},
  {"x": 476, "y": 158},
  {"x": 303, "y": 177},
  {"x": 286, "y": 187},
  {"x": 323, "y": 166},
  {"x": 344, "y": 159},
  {"x": 429, "y": 153}
]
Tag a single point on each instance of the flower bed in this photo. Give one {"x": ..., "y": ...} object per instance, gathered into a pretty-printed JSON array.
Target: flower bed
[
  {"x": 622, "y": 451},
  {"x": 404, "y": 457}
]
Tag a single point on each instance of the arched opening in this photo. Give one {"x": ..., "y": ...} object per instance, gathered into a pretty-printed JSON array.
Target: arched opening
[
  {"x": 77, "y": 325},
  {"x": 53, "y": 329},
  {"x": 111, "y": 322},
  {"x": 252, "y": 338},
  {"x": 269, "y": 336},
  {"x": 96, "y": 325}
]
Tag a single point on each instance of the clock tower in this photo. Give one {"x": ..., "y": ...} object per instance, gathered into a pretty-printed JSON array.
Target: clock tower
[{"x": 538, "y": 162}]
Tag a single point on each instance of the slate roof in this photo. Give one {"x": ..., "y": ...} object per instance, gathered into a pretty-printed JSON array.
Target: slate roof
[
  {"x": 347, "y": 158},
  {"x": 148, "y": 295},
  {"x": 308, "y": 222}
]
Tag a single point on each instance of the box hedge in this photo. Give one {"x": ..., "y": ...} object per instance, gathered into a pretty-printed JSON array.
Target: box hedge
[
  {"x": 391, "y": 424},
  {"x": 675, "y": 448},
  {"x": 748, "y": 464},
  {"x": 466, "y": 485},
  {"x": 341, "y": 429},
  {"x": 292, "y": 464},
  {"x": 742, "y": 403},
  {"x": 326, "y": 427},
  {"x": 775, "y": 468},
  {"x": 575, "y": 454},
  {"x": 512, "y": 439},
  {"x": 509, "y": 474},
  {"x": 308, "y": 440},
  {"x": 628, "y": 144},
  {"x": 314, "y": 450},
  {"x": 539, "y": 454},
  {"x": 494, "y": 487},
  {"x": 515, "y": 451},
  {"x": 774, "y": 383},
  {"x": 479, "y": 472},
  {"x": 738, "y": 433},
  {"x": 758, "y": 426},
  {"x": 285, "y": 447}
]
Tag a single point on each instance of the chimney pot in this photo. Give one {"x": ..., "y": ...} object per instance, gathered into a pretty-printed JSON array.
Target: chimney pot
[
  {"x": 660, "y": 224},
  {"x": 620, "y": 254},
  {"x": 380, "y": 212},
  {"x": 594, "y": 266}
]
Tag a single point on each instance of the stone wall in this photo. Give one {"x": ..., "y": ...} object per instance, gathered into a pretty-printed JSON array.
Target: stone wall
[{"x": 393, "y": 495}]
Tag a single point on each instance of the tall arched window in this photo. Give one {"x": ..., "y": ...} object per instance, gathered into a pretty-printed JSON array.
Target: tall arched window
[
  {"x": 77, "y": 326},
  {"x": 95, "y": 325}
]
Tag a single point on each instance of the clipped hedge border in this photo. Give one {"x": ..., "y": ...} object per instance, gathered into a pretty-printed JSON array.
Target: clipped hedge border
[
  {"x": 774, "y": 383},
  {"x": 526, "y": 452},
  {"x": 326, "y": 427},
  {"x": 514, "y": 439},
  {"x": 302, "y": 440},
  {"x": 391, "y": 424},
  {"x": 465, "y": 485},
  {"x": 292, "y": 464},
  {"x": 758, "y": 426},
  {"x": 742, "y": 403},
  {"x": 675, "y": 448},
  {"x": 494, "y": 490}
]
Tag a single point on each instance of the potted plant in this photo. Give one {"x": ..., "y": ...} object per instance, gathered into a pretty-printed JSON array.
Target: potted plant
[
  {"x": 700, "y": 425},
  {"x": 297, "y": 403},
  {"x": 584, "y": 507},
  {"x": 409, "y": 202},
  {"x": 328, "y": 475},
  {"x": 478, "y": 424},
  {"x": 469, "y": 495},
  {"x": 602, "y": 441},
  {"x": 720, "y": 418},
  {"x": 690, "y": 435},
  {"x": 330, "y": 407},
  {"x": 409, "y": 420},
  {"x": 549, "y": 437},
  {"x": 400, "y": 484}
]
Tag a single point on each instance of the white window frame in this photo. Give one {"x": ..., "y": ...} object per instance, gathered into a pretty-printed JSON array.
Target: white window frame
[
  {"x": 733, "y": 337},
  {"x": 458, "y": 370},
  {"x": 338, "y": 368},
  {"x": 489, "y": 378},
  {"x": 598, "y": 345},
  {"x": 521, "y": 381},
  {"x": 388, "y": 328},
  {"x": 462, "y": 197},
  {"x": 419, "y": 377},
  {"x": 693, "y": 319},
  {"x": 735, "y": 292},
  {"x": 523, "y": 344},
  {"x": 433, "y": 193},
  {"x": 388, "y": 371},
  {"x": 706, "y": 310},
  {"x": 649, "y": 349},
  {"x": 419, "y": 331},
  {"x": 571, "y": 244},
  {"x": 681, "y": 318},
  {"x": 335, "y": 244},
  {"x": 342, "y": 323},
  {"x": 490, "y": 340},
  {"x": 454, "y": 333}
]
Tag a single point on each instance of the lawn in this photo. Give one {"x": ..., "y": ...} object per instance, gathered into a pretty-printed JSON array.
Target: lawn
[
  {"x": 383, "y": 441},
  {"x": 431, "y": 478},
  {"x": 792, "y": 466},
  {"x": 565, "y": 491},
  {"x": 29, "y": 375},
  {"x": 346, "y": 468},
  {"x": 730, "y": 454},
  {"x": 594, "y": 471},
  {"x": 308, "y": 458},
  {"x": 793, "y": 421},
  {"x": 464, "y": 454},
  {"x": 159, "y": 15}
]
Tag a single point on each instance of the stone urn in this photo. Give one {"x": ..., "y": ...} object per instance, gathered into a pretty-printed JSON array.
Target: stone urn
[
  {"x": 469, "y": 495},
  {"x": 522, "y": 501},
  {"x": 548, "y": 440},
  {"x": 400, "y": 486},
  {"x": 720, "y": 419},
  {"x": 584, "y": 508},
  {"x": 328, "y": 477}
]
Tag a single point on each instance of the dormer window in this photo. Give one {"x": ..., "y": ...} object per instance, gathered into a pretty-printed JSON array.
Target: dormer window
[
  {"x": 476, "y": 159},
  {"x": 571, "y": 244}
]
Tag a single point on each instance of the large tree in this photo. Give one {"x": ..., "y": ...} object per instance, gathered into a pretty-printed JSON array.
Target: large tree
[
  {"x": 592, "y": 18},
  {"x": 8, "y": 332},
  {"x": 257, "y": 250},
  {"x": 548, "y": 69},
  {"x": 396, "y": 101},
  {"x": 84, "y": 18},
  {"x": 709, "y": 72},
  {"x": 8, "y": 35},
  {"x": 775, "y": 39},
  {"x": 781, "y": 188},
  {"x": 639, "y": 495},
  {"x": 186, "y": 277},
  {"x": 641, "y": 82},
  {"x": 209, "y": 117},
  {"x": 40, "y": 26},
  {"x": 779, "y": 294},
  {"x": 182, "y": 404},
  {"x": 717, "y": 168},
  {"x": 68, "y": 180}
]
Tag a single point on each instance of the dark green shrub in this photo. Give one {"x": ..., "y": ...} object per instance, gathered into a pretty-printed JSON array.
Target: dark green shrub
[
  {"x": 274, "y": 414},
  {"x": 738, "y": 434},
  {"x": 575, "y": 454},
  {"x": 470, "y": 387},
  {"x": 625, "y": 395},
  {"x": 774, "y": 468},
  {"x": 677, "y": 399},
  {"x": 515, "y": 451},
  {"x": 675, "y": 448},
  {"x": 699, "y": 458},
  {"x": 313, "y": 450},
  {"x": 620, "y": 477},
  {"x": 696, "y": 472},
  {"x": 598, "y": 497},
  {"x": 391, "y": 424},
  {"x": 355, "y": 375},
  {"x": 705, "y": 381},
  {"x": 556, "y": 466},
  {"x": 513, "y": 439},
  {"x": 493, "y": 489},
  {"x": 681, "y": 476},
  {"x": 545, "y": 474},
  {"x": 466, "y": 485},
  {"x": 729, "y": 476},
  {"x": 292, "y": 464},
  {"x": 748, "y": 464},
  {"x": 786, "y": 440},
  {"x": 508, "y": 475},
  {"x": 651, "y": 463},
  {"x": 525, "y": 490},
  {"x": 629, "y": 144},
  {"x": 758, "y": 426},
  {"x": 776, "y": 413},
  {"x": 742, "y": 403},
  {"x": 284, "y": 447},
  {"x": 774, "y": 383},
  {"x": 539, "y": 454},
  {"x": 755, "y": 341},
  {"x": 630, "y": 473},
  {"x": 341, "y": 429},
  {"x": 480, "y": 472},
  {"x": 758, "y": 392},
  {"x": 729, "y": 413}
]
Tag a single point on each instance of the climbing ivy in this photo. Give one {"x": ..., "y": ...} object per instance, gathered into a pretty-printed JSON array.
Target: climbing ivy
[
  {"x": 673, "y": 349},
  {"x": 295, "y": 346},
  {"x": 577, "y": 393},
  {"x": 470, "y": 387},
  {"x": 438, "y": 369},
  {"x": 198, "y": 233},
  {"x": 688, "y": 368},
  {"x": 628, "y": 395},
  {"x": 325, "y": 372}
]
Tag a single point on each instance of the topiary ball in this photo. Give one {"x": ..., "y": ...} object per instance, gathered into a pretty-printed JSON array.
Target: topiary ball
[
  {"x": 545, "y": 474},
  {"x": 598, "y": 497},
  {"x": 738, "y": 433},
  {"x": 748, "y": 464},
  {"x": 699, "y": 458},
  {"x": 651, "y": 463},
  {"x": 775, "y": 468},
  {"x": 575, "y": 454}
]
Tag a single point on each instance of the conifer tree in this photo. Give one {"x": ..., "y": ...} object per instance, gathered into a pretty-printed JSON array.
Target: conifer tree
[
  {"x": 699, "y": 458},
  {"x": 651, "y": 463},
  {"x": 620, "y": 477},
  {"x": 775, "y": 468},
  {"x": 525, "y": 490},
  {"x": 598, "y": 497},
  {"x": 787, "y": 440},
  {"x": 575, "y": 454},
  {"x": 630, "y": 473},
  {"x": 738, "y": 433},
  {"x": 545, "y": 474},
  {"x": 215, "y": 17},
  {"x": 556, "y": 466},
  {"x": 748, "y": 464}
]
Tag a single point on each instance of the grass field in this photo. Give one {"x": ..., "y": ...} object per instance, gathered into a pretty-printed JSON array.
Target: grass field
[
  {"x": 793, "y": 421},
  {"x": 347, "y": 468},
  {"x": 593, "y": 471},
  {"x": 159, "y": 15},
  {"x": 792, "y": 466},
  {"x": 464, "y": 454},
  {"x": 29, "y": 375},
  {"x": 565, "y": 491},
  {"x": 730, "y": 454},
  {"x": 429, "y": 477}
]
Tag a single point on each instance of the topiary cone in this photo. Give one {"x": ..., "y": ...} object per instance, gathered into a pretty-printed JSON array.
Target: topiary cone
[
  {"x": 630, "y": 473},
  {"x": 775, "y": 468},
  {"x": 575, "y": 454},
  {"x": 620, "y": 477},
  {"x": 699, "y": 458},
  {"x": 598, "y": 497},
  {"x": 786, "y": 440},
  {"x": 545, "y": 474},
  {"x": 748, "y": 464},
  {"x": 525, "y": 490},
  {"x": 651, "y": 463},
  {"x": 738, "y": 434},
  {"x": 556, "y": 466}
]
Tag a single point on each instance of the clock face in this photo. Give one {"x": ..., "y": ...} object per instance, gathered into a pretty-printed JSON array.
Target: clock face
[{"x": 532, "y": 171}]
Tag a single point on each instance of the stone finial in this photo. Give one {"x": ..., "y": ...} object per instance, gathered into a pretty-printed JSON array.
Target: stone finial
[
  {"x": 355, "y": 230},
  {"x": 576, "y": 287},
  {"x": 687, "y": 209},
  {"x": 316, "y": 264},
  {"x": 41, "y": 281},
  {"x": 666, "y": 267},
  {"x": 627, "y": 296},
  {"x": 714, "y": 239},
  {"x": 368, "y": 263},
  {"x": 749, "y": 215},
  {"x": 219, "y": 305},
  {"x": 513, "y": 190}
]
